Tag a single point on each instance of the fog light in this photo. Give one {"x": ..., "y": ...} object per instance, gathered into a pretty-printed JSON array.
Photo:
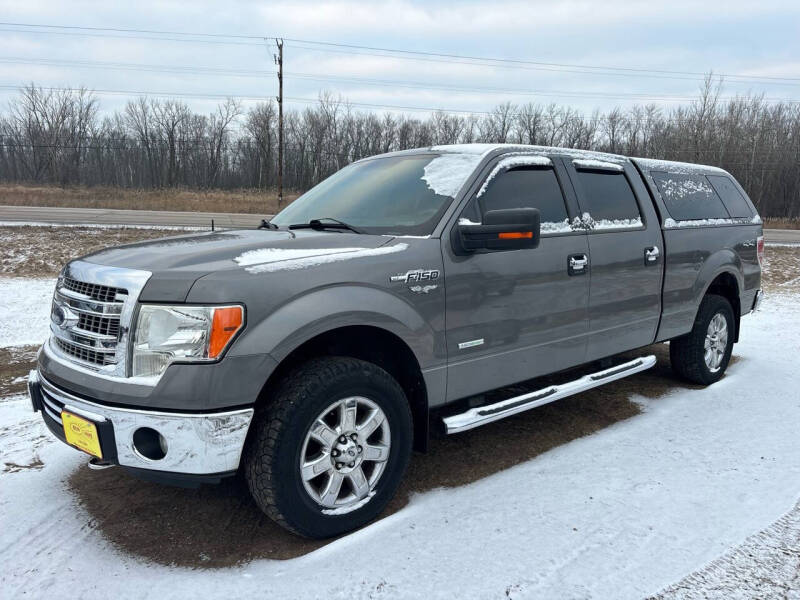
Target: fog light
[{"x": 149, "y": 443}]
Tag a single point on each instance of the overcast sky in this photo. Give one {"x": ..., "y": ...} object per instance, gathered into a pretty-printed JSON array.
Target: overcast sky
[{"x": 746, "y": 39}]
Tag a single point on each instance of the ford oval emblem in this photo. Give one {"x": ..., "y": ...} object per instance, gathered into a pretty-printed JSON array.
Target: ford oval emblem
[
  {"x": 62, "y": 316},
  {"x": 59, "y": 316}
]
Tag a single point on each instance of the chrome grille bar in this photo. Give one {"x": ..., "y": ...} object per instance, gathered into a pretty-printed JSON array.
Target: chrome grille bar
[{"x": 92, "y": 311}]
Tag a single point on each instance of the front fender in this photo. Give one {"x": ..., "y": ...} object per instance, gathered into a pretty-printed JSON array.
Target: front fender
[{"x": 322, "y": 310}]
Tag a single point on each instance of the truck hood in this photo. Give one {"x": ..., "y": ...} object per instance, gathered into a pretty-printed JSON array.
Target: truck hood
[{"x": 177, "y": 262}]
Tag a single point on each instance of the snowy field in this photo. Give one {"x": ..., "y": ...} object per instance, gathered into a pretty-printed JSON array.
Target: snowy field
[{"x": 695, "y": 497}]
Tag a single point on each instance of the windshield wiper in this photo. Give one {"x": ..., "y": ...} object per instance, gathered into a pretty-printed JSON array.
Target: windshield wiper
[
  {"x": 267, "y": 225},
  {"x": 325, "y": 223}
]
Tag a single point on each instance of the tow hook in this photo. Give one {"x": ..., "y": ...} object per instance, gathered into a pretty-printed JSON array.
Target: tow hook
[{"x": 97, "y": 464}]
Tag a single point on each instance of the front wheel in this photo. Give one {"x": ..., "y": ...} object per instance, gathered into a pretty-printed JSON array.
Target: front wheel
[
  {"x": 329, "y": 451},
  {"x": 702, "y": 355}
]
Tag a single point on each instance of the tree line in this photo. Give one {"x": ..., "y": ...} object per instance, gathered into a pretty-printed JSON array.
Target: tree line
[{"x": 60, "y": 137}]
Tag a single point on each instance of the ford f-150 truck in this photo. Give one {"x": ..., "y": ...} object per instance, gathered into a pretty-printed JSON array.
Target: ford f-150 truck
[{"x": 314, "y": 352}]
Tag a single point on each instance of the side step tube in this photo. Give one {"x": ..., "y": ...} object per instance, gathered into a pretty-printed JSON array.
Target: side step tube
[{"x": 481, "y": 415}]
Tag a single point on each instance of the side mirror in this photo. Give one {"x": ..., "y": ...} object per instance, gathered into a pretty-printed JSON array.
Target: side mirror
[{"x": 506, "y": 229}]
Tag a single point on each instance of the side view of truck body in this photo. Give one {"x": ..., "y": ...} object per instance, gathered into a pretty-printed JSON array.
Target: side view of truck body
[{"x": 312, "y": 353}]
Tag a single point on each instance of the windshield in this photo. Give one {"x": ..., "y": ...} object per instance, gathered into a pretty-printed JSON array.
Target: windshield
[{"x": 394, "y": 195}]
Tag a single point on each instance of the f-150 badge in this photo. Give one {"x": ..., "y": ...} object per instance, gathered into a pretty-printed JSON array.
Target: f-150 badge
[{"x": 417, "y": 276}]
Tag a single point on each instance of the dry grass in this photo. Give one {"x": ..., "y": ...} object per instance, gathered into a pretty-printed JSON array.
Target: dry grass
[
  {"x": 42, "y": 251},
  {"x": 15, "y": 363},
  {"x": 781, "y": 272},
  {"x": 786, "y": 223},
  {"x": 232, "y": 201}
]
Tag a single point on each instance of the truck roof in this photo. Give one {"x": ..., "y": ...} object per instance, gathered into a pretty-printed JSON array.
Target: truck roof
[{"x": 647, "y": 164}]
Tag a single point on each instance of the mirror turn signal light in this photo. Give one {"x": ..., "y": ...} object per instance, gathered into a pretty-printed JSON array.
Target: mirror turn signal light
[{"x": 515, "y": 235}]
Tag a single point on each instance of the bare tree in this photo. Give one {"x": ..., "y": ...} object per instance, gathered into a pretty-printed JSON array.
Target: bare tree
[{"x": 58, "y": 137}]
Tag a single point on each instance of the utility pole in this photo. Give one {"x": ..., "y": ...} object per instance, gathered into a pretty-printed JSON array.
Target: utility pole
[{"x": 279, "y": 61}]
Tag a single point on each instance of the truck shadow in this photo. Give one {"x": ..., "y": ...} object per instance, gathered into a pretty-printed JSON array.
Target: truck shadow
[{"x": 219, "y": 526}]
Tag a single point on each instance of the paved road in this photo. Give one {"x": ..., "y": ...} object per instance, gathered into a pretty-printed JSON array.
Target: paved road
[
  {"x": 102, "y": 216},
  {"x": 782, "y": 236}
]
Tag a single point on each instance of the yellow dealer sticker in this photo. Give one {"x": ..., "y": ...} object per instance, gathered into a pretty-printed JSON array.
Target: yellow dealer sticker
[{"x": 81, "y": 433}]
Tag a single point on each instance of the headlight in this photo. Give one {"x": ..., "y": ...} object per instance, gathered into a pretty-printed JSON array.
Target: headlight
[{"x": 182, "y": 333}]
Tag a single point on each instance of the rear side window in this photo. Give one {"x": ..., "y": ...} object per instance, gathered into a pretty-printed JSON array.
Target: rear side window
[
  {"x": 731, "y": 197},
  {"x": 608, "y": 198},
  {"x": 527, "y": 188},
  {"x": 689, "y": 197}
]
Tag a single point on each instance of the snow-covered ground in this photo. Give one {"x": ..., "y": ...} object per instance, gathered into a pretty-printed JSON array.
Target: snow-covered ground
[
  {"x": 661, "y": 501},
  {"x": 24, "y": 310}
]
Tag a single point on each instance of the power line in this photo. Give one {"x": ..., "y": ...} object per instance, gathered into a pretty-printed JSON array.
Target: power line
[
  {"x": 256, "y": 74},
  {"x": 637, "y": 70},
  {"x": 533, "y": 68},
  {"x": 368, "y": 105},
  {"x": 138, "y": 37},
  {"x": 225, "y": 38},
  {"x": 127, "y": 30}
]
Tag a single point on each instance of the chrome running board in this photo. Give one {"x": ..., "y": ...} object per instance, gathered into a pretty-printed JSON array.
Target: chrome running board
[{"x": 481, "y": 415}]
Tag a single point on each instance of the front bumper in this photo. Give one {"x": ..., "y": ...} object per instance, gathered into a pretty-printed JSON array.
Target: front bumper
[{"x": 195, "y": 444}]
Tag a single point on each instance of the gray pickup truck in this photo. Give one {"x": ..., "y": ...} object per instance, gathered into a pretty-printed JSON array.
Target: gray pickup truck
[{"x": 312, "y": 354}]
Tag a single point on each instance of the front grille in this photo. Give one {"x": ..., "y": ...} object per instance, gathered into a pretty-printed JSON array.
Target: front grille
[
  {"x": 84, "y": 354},
  {"x": 87, "y": 318},
  {"x": 103, "y": 293},
  {"x": 101, "y": 325},
  {"x": 93, "y": 307}
]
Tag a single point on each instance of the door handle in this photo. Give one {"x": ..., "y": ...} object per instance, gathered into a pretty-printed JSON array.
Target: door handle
[
  {"x": 651, "y": 255},
  {"x": 577, "y": 264}
]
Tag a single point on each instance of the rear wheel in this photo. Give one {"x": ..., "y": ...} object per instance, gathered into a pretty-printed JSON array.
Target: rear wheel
[
  {"x": 702, "y": 355},
  {"x": 328, "y": 453}
]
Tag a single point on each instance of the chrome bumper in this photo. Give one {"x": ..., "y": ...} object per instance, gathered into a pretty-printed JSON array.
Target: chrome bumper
[{"x": 196, "y": 444}]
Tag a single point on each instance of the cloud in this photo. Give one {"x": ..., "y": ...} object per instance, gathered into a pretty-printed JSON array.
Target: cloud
[{"x": 758, "y": 39}]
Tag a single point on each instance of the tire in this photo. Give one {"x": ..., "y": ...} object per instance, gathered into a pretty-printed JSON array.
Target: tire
[
  {"x": 688, "y": 354},
  {"x": 283, "y": 440}
]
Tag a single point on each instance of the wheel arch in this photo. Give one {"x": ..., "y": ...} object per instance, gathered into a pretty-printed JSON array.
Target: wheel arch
[
  {"x": 727, "y": 284},
  {"x": 372, "y": 344}
]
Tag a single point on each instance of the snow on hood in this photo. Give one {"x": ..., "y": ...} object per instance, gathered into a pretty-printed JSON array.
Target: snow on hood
[
  {"x": 511, "y": 161},
  {"x": 446, "y": 174},
  {"x": 268, "y": 260}
]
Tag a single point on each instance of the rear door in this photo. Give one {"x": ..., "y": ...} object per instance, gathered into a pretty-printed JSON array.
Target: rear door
[
  {"x": 513, "y": 315},
  {"x": 625, "y": 252}
]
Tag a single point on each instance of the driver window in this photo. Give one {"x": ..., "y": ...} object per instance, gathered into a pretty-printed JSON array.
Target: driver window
[{"x": 525, "y": 187}]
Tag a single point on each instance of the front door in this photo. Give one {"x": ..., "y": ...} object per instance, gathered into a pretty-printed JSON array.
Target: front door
[{"x": 513, "y": 315}]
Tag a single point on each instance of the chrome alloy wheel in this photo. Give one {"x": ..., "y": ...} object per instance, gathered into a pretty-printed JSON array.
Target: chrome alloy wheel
[
  {"x": 716, "y": 342},
  {"x": 344, "y": 454}
]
